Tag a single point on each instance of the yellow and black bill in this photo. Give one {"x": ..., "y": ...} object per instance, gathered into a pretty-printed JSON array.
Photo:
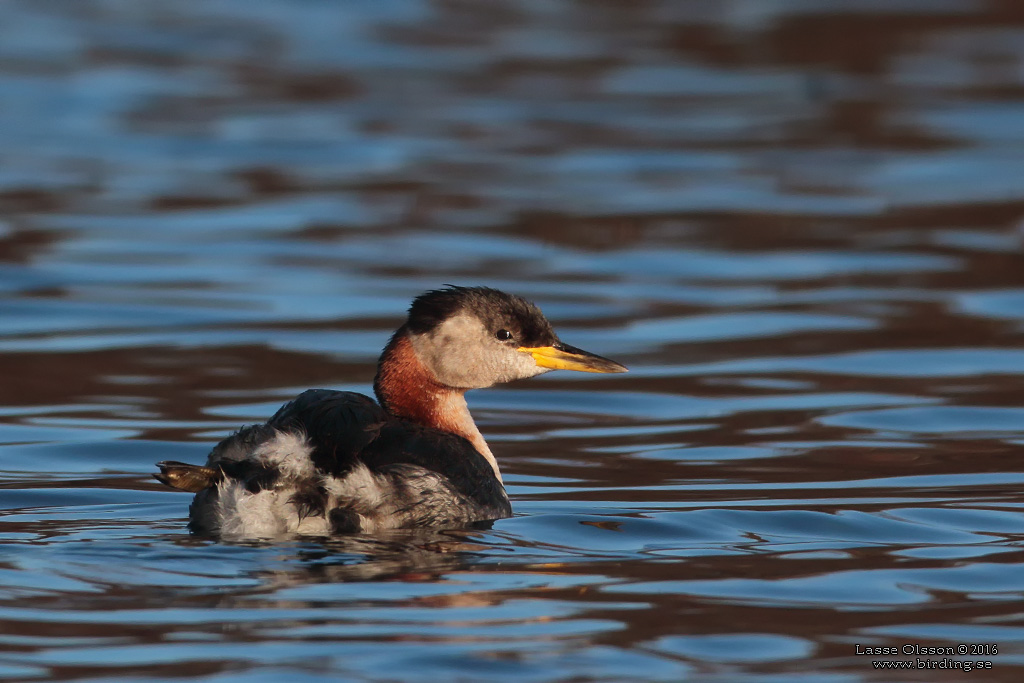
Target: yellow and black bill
[{"x": 561, "y": 356}]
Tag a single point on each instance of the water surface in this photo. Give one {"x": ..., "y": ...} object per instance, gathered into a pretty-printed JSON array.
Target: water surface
[{"x": 799, "y": 224}]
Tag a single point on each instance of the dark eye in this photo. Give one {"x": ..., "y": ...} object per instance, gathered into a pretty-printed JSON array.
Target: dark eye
[{"x": 503, "y": 335}]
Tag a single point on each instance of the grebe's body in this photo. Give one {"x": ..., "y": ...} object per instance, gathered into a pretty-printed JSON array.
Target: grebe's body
[{"x": 336, "y": 462}]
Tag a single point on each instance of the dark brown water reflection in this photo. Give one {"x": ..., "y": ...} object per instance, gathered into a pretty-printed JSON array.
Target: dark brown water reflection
[{"x": 799, "y": 222}]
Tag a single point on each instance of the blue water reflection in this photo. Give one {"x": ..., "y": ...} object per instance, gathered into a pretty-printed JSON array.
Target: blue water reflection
[{"x": 798, "y": 223}]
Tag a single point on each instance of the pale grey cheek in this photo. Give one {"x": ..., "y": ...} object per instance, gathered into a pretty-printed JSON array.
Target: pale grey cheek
[
  {"x": 537, "y": 370},
  {"x": 465, "y": 355},
  {"x": 462, "y": 368},
  {"x": 522, "y": 365},
  {"x": 484, "y": 366},
  {"x": 463, "y": 371}
]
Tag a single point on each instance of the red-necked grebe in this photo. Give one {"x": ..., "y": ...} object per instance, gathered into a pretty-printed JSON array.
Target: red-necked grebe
[{"x": 336, "y": 462}]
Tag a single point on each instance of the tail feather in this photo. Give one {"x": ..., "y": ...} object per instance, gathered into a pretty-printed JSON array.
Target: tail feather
[{"x": 185, "y": 477}]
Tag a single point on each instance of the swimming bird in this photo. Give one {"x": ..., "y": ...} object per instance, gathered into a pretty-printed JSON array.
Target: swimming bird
[{"x": 336, "y": 462}]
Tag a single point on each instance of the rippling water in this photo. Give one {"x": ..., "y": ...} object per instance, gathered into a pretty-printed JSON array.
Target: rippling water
[{"x": 798, "y": 222}]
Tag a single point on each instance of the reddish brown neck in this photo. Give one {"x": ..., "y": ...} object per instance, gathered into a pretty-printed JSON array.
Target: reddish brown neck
[{"x": 408, "y": 389}]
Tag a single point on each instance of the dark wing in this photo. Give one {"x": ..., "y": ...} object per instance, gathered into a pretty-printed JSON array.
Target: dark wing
[
  {"x": 345, "y": 428},
  {"x": 338, "y": 425},
  {"x": 402, "y": 443}
]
